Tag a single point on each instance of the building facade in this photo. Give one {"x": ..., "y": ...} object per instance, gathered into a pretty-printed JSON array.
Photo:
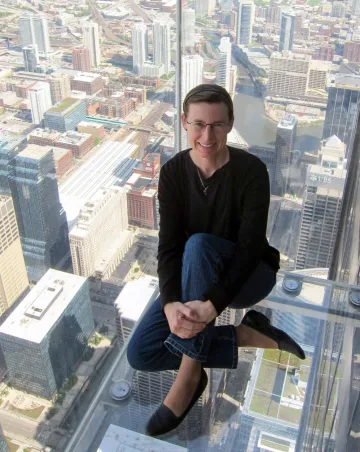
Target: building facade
[
  {"x": 10, "y": 146},
  {"x": 92, "y": 43},
  {"x": 39, "y": 213},
  {"x": 245, "y": 21},
  {"x": 65, "y": 115},
  {"x": 40, "y": 101},
  {"x": 45, "y": 337},
  {"x": 287, "y": 31},
  {"x": 139, "y": 46},
  {"x": 81, "y": 59},
  {"x": 59, "y": 87},
  {"x": 342, "y": 109},
  {"x": 88, "y": 82},
  {"x": 161, "y": 44},
  {"x": 284, "y": 147},
  {"x": 31, "y": 57},
  {"x": 224, "y": 64},
  {"x": 100, "y": 239},
  {"x": 34, "y": 30},
  {"x": 78, "y": 143},
  {"x": 188, "y": 27},
  {"x": 13, "y": 277},
  {"x": 352, "y": 51}
]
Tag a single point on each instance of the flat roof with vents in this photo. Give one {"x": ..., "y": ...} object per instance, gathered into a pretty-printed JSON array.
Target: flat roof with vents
[{"x": 43, "y": 306}]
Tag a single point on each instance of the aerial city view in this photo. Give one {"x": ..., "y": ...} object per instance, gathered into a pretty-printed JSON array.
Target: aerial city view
[{"x": 90, "y": 103}]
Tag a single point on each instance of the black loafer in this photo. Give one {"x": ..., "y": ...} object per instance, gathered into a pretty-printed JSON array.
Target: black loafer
[
  {"x": 261, "y": 323},
  {"x": 164, "y": 420}
]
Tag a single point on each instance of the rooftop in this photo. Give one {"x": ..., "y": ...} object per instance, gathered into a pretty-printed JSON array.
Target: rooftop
[
  {"x": 64, "y": 105},
  {"x": 72, "y": 137},
  {"x": 43, "y": 306},
  {"x": 34, "y": 152},
  {"x": 86, "y": 77},
  {"x": 135, "y": 296},
  {"x": 349, "y": 81},
  {"x": 287, "y": 122}
]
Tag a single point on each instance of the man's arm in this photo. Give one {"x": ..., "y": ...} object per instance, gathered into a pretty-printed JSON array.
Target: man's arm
[
  {"x": 251, "y": 237},
  {"x": 171, "y": 236}
]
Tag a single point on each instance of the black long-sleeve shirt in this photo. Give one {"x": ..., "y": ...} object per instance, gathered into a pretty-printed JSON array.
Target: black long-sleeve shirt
[{"x": 235, "y": 208}]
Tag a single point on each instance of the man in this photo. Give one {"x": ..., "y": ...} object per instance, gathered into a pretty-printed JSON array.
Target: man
[{"x": 213, "y": 253}]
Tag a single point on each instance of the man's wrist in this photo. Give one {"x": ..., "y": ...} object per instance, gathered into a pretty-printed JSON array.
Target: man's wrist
[{"x": 211, "y": 311}]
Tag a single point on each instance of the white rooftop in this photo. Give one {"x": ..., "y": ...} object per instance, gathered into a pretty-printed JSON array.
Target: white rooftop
[
  {"x": 135, "y": 296},
  {"x": 43, "y": 306},
  {"x": 123, "y": 440}
]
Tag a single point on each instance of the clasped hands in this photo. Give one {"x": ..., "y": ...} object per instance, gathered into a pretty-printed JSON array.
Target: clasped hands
[{"x": 186, "y": 320}]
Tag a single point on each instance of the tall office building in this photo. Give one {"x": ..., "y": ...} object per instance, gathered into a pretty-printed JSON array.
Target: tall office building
[
  {"x": 191, "y": 76},
  {"x": 59, "y": 87},
  {"x": 161, "y": 44},
  {"x": 13, "y": 276},
  {"x": 287, "y": 31},
  {"x": 233, "y": 80},
  {"x": 100, "y": 239},
  {"x": 40, "y": 101},
  {"x": 44, "y": 339},
  {"x": 91, "y": 42},
  {"x": 338, "y": 9},
  {"x": 31, "y": 57},
  {"x": 203, "y": 7},
  {"x": 188, "y": 27},
  {"x": 322, "y": 206},
  {"x": 34, "y": 30},
  {"x": 284, "y": 147},
  {"x": 139, "y": 46},
  {"x": 226, "y": 5},
  {"x": 65, "y": 115},
  {"x": 10, "y": 146},
  {"x": 3, "y": 443},
  {"x": 355, "y": 10},
  {"x": 39, "y": 213},
  {"x": 81, "y": 59},
  {"x": 245, "y": 21},
  {"x": 224, "y": 64},
  {"x": 342, "y": 109},
  {"x": 288, "y": 74}
]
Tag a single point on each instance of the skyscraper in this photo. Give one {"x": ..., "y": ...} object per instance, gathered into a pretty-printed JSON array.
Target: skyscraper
[
  {"x": 40, "y": 101},
  {"x": 13, "y": 277},
  {"x": 10, "y": 146},
  {"x": 139, "y": 46},
  {"x": 287, "y": 31},
  {"x": 355, "y": 8},
  {"x": 226, "y": 5},
  {"x": 245, "y": 21},
  {"x": 39, "y": 213},
  {"x": 188, "y": 27},
  {"x": 100, "y": 239},
  {"x": 203, "y": 7},
  {"x": 233, "y": 80},
  {"x": 34, "y": 30},
  {"x": 224, "y": 64},
  {"x": 161, "y": 43},
  {"x": 31, "y": 57},
  {"x": 81, "y": 59},
  {"x": 342, "y": 109},
  {"x": 322, "y": 207},
  {"x": 65, "y": 115},
  {"x": 284, "y": 147},
  {"x": 191, "y": 76},
  {"x": 59, "y": 87},
  {"x": 43, "y": 340},
  {"x": 91, "y": 42}
]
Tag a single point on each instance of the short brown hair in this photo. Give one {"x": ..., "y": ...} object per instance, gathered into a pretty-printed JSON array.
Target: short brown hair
[{"x": 212, "y": 94}]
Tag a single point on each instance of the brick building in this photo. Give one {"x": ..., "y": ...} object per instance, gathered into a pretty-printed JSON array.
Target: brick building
[
  {"x": 63, "y": 161},
  {"x": 23, "y": 88},
  {"x": 88, "y": 82},
  {"x": 149, "y": 166},
  {"x": 141, "y": 202},
  {"x": 96, "y": 130},
  {"x": 81, "y": 59},
  {"x": 43, "y": 137},
  {"x": 117, "y": 108},
  {"x": 78, "y": 143},
  {"x": 352, "y": 51}
]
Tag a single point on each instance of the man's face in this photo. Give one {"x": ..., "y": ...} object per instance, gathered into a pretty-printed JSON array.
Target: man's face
[{"x": 208, "y": 141}]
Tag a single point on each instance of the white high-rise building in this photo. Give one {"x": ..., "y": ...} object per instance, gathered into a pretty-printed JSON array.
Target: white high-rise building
[
  {"x": 40, "y": 101},
  {"x": 139, "y": 46},
  {"x": 191, "y": 76},
  {"x": 34, "y": 30},
  {"x": 245, "y": 21},
  {"x": 233, "y": 80},
  {"x": 188, "y": 27},
  {"x": 224, "y": 63},
  {"x": 161, "y": 43},
  {"x": 60, "y": 87},
  {"x": 91, "y": 42},
  {"x": 31, "y": 57},
  {"x": 100, "y": 239}
]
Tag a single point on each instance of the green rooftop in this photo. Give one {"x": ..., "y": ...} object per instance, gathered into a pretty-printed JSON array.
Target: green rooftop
[{"x": 63, "y": 105}]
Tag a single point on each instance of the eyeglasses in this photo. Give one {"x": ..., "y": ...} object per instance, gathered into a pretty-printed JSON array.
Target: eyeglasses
[{"x": 198, "y": 126}]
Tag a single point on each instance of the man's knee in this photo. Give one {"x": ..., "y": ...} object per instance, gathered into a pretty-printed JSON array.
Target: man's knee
[
  {"x": 197, "y": 244},
  {"x": 134, "y": 355}
]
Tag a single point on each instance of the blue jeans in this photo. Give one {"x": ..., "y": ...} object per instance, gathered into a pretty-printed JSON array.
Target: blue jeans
[{"x": 154, "y": 348}]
